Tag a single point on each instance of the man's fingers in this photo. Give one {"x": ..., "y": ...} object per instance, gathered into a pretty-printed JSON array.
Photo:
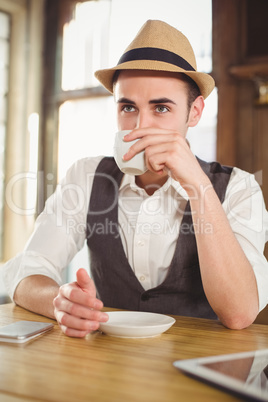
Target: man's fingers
[
  {"x": 81, "y": 323},
  {"x": 75, "y": 333},
  {"x": 74, "y": 326},
  {"x": 79, "y": 296},
  {"x": 77, "y": 320},
  {"x": 78, "y": 310}
]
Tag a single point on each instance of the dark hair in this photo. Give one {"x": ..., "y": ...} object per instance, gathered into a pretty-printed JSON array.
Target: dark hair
[{"x": 193, "y": 89}]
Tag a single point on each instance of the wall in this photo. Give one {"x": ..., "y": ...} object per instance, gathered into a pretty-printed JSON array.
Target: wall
[
  {"x": 238, "y": 68},
  {"x": 24, "y": 98}
]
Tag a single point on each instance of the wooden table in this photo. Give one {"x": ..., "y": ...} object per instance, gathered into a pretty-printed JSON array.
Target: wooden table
[{"x": 55, "y": 367}]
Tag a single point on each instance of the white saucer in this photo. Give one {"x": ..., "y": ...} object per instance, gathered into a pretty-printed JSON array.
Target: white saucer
[{"x": 136, "y": 324}]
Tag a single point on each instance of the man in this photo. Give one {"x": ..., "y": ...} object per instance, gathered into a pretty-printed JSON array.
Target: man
[{"x": 186, "y": 237}]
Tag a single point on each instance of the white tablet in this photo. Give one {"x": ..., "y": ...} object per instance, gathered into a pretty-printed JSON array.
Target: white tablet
[{"x": 245, "y": 374}]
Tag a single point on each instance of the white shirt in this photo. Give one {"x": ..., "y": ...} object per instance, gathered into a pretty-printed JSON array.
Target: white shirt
[{"x": 149, "y": 227}]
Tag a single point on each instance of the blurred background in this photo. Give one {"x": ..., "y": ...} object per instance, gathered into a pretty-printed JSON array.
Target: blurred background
[{"x": 53, "y": 111}]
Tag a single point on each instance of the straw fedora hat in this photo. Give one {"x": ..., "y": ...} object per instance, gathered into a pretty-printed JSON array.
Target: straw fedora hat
[{"x": 160, "y": 47}]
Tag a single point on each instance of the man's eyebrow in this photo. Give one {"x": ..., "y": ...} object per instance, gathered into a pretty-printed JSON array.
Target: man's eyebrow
[
  {"x": 125, "y": 100},
  {"x": 151, "y": 102},
  {"x": 161, "y": 100}
]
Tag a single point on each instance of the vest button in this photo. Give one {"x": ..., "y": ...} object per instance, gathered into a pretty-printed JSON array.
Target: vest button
[{"x": 145, "y": 297}]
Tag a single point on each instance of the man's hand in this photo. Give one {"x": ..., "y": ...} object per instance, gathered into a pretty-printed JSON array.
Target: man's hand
[
  {"x": 76, "y": 307},
  {"x": 167, "y": 150}
]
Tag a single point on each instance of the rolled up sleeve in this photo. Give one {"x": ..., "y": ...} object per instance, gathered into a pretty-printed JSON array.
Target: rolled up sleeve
[
  {"x": 245, "y": 208},
  {"x": 60, "y": 230}
]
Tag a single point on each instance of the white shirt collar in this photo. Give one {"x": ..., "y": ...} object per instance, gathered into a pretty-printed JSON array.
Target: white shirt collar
[{"x": 129, "y": 180}]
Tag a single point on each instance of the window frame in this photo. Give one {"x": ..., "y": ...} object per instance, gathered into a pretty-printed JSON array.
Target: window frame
[{"x": 58, "y": 12}]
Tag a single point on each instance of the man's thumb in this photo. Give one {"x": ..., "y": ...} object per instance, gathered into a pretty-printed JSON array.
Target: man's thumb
[{"x": 84, "y": 280}]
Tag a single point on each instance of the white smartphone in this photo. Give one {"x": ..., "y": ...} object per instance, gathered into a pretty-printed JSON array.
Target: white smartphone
[{"x": 23, "y": 331}]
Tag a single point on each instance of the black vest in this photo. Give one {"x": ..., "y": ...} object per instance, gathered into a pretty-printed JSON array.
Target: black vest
[{"x": 182, "y": 291}]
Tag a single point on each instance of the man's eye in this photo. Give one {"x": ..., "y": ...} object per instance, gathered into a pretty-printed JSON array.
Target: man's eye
[
  {"x": 128, "y": 108},
  {"x": 161, "y": 109}
]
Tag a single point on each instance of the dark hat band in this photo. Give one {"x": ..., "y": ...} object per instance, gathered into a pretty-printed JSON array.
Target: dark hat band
[{"x": 156, "y": 54}]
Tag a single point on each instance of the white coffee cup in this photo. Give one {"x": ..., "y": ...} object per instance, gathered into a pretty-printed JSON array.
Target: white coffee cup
[{"x": 135, "y": 166}]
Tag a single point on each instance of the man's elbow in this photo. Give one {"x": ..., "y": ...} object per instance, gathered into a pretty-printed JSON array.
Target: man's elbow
[{"x": 239, "y": 321}]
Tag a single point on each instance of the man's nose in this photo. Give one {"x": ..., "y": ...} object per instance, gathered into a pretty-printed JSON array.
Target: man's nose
[{"x": 144, "y": 120}]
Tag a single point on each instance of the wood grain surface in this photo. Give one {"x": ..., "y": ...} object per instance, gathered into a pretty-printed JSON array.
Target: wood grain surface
[{"x": 54, "y": 367}]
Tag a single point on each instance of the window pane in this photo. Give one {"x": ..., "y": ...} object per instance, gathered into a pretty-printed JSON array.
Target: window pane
[
  {"x": 85, "y": 44},
  {"x": 4, "y": 25},
  {"x": 3, "y": 80},
  {"x": 4, "y": 51},
  {"x": 86, "y": 128},
  {"x": 192, "y": 17},
  {"x": 3, "y": 106}
]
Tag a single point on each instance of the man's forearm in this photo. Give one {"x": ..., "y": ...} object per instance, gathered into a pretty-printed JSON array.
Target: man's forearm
[
  {"x": 36, "y": 293},
  {"x": 228, "y": 278}
]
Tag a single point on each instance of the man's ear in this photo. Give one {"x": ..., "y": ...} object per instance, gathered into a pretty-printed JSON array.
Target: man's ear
[{"x": 196, "y": 111}]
